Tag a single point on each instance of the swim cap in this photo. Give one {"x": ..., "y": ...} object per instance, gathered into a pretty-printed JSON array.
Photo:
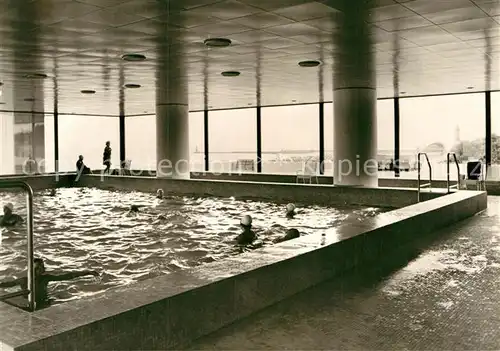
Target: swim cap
[
  {"x": 246, "y": 220},
  {"x": 9, "y": 205},
  {"x": 159, "y": 191},
  {"x": 290, "y": 207}
]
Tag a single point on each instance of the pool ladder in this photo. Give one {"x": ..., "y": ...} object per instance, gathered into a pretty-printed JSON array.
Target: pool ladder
[
  {"x": 448, "y": 186},
  {"x": 419, "y": 167},
  {"x": 30, "y": 292}
]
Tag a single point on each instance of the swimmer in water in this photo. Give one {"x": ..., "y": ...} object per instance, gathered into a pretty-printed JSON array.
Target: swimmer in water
[
  {"x": 52, "y": 192},
  {"x": 9, "y": 218},
  {"x": 290, "y": 234},
  {"x": 159, "y": 194},
  {"x": 248, "y": 236},
  {"x": 290, "y": 211},
  {"x": 42, "y": 280}
]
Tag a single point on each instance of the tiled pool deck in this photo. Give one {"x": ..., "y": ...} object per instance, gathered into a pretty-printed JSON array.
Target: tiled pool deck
[{"x": 446, "y": 298}]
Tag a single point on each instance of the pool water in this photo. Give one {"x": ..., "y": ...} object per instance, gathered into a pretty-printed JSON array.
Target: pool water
[{"x": 81, "y": 228}]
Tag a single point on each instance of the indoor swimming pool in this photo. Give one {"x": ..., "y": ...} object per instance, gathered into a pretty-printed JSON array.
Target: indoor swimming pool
[{"x": 86, "y": 228}]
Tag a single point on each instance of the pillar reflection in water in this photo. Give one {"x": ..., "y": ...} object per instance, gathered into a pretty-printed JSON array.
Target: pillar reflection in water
[{"x": 355, "y": 119}]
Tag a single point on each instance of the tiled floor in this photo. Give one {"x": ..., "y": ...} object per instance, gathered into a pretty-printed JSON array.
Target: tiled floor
[{"x": 446, "y": 298}]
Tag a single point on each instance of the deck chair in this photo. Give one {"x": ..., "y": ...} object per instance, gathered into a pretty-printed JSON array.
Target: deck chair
[
  {"x": 475, "y": 176},
  {"x": 308, "y": 172}
]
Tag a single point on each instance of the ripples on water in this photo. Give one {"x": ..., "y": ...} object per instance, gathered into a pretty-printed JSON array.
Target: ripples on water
[{"x": 83, "y": 228}]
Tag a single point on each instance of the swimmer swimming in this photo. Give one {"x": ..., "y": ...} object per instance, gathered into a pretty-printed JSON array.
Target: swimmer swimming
[
  {"x": 159, "y": 194},
  {"x": 9, "y": 218},
  {"x": 248, "y": 236},
  {"x": 42, "y": 280},
  {"x": 290, "y": 211},
  {"x": 290, "y": 234}
]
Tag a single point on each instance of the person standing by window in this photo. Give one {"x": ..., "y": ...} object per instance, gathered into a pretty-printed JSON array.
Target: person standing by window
[{"x": 106, "y": 157}]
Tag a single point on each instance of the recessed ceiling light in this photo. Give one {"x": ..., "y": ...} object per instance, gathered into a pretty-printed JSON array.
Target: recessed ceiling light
[
  {"x": 311, "y": 63},
  {"x": 230, "y": 73},
  {"x": 132, "y": 86},
  {"x": 470, "y": 88},
  {"x": 217, "y": 42},
  {"x": 85, "y": 91},
  {"x": 133, "y": 57},
  {"x": 29, "y": 99},
  {"x": 402, "y": 93},
  {"x": 210, "y": 106},
  {"x": 294, "y": 100},
  {"x": 250, "y": 104},
  {"x": 35, "y": 75}
]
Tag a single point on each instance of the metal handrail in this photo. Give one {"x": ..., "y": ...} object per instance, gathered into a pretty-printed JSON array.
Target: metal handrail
[
  {"x": 448, "y": 186},
  {"x": 419, "y": 185},
  {"x": 31, "y": 273}
]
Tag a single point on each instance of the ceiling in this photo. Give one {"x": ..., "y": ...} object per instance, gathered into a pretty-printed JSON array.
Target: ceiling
[{"x": 421, "y": 47}]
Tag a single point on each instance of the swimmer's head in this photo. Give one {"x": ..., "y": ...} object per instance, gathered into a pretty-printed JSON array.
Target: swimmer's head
[
  {"x": 159, "y": 193},
  {"x": 134, "y": 208},
  {"x": 292, "y": 233},
  {"x": 39, "y": 266},
  {"x": 290, "y": 207},
  {"x": 80, "y": 157},
  {"x": 246, "y": 221},
  {"x": 8, "y": 208},
  {"x": 52, "y": 192}
]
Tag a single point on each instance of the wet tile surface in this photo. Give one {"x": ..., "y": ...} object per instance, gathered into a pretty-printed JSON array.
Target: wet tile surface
[{"x": 441, "y": 294}]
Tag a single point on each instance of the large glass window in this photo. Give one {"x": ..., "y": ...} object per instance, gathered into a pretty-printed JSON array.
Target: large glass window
[
  {"x": 290, "y": 138},
  {"x": 49, "y": 143},
  {"x": 328, "y": 136},
  {"x": 22, "y": 143},
  {"x": 7, "y": 160},
  {"x": 440, "y": 124},
  {"x": 140, "y": 142},
  {"x": 232, "y": 139},
  {"x": 494, "y": 171},
  {"x": 197, "y": 141},
  {"x": 385, "y": 137},
  {"x": 87, "y": 135}
]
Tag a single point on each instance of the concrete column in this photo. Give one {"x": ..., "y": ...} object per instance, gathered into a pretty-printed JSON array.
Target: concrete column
[
  {"x": 355, "y": 99},
  {"x": 172, "y": 111}
]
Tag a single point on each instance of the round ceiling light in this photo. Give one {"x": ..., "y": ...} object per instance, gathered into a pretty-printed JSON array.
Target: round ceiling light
[
  {"x": 86, "y": 91},
  {"x": 231, "y": 74},
  {"x": 133, "y": 57},
  {"x": 132, "y": 86},
  {"x": 217, "y": 42},
  {"x": 310, "y": 63},
  {"x": 35, "y": 75}
]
